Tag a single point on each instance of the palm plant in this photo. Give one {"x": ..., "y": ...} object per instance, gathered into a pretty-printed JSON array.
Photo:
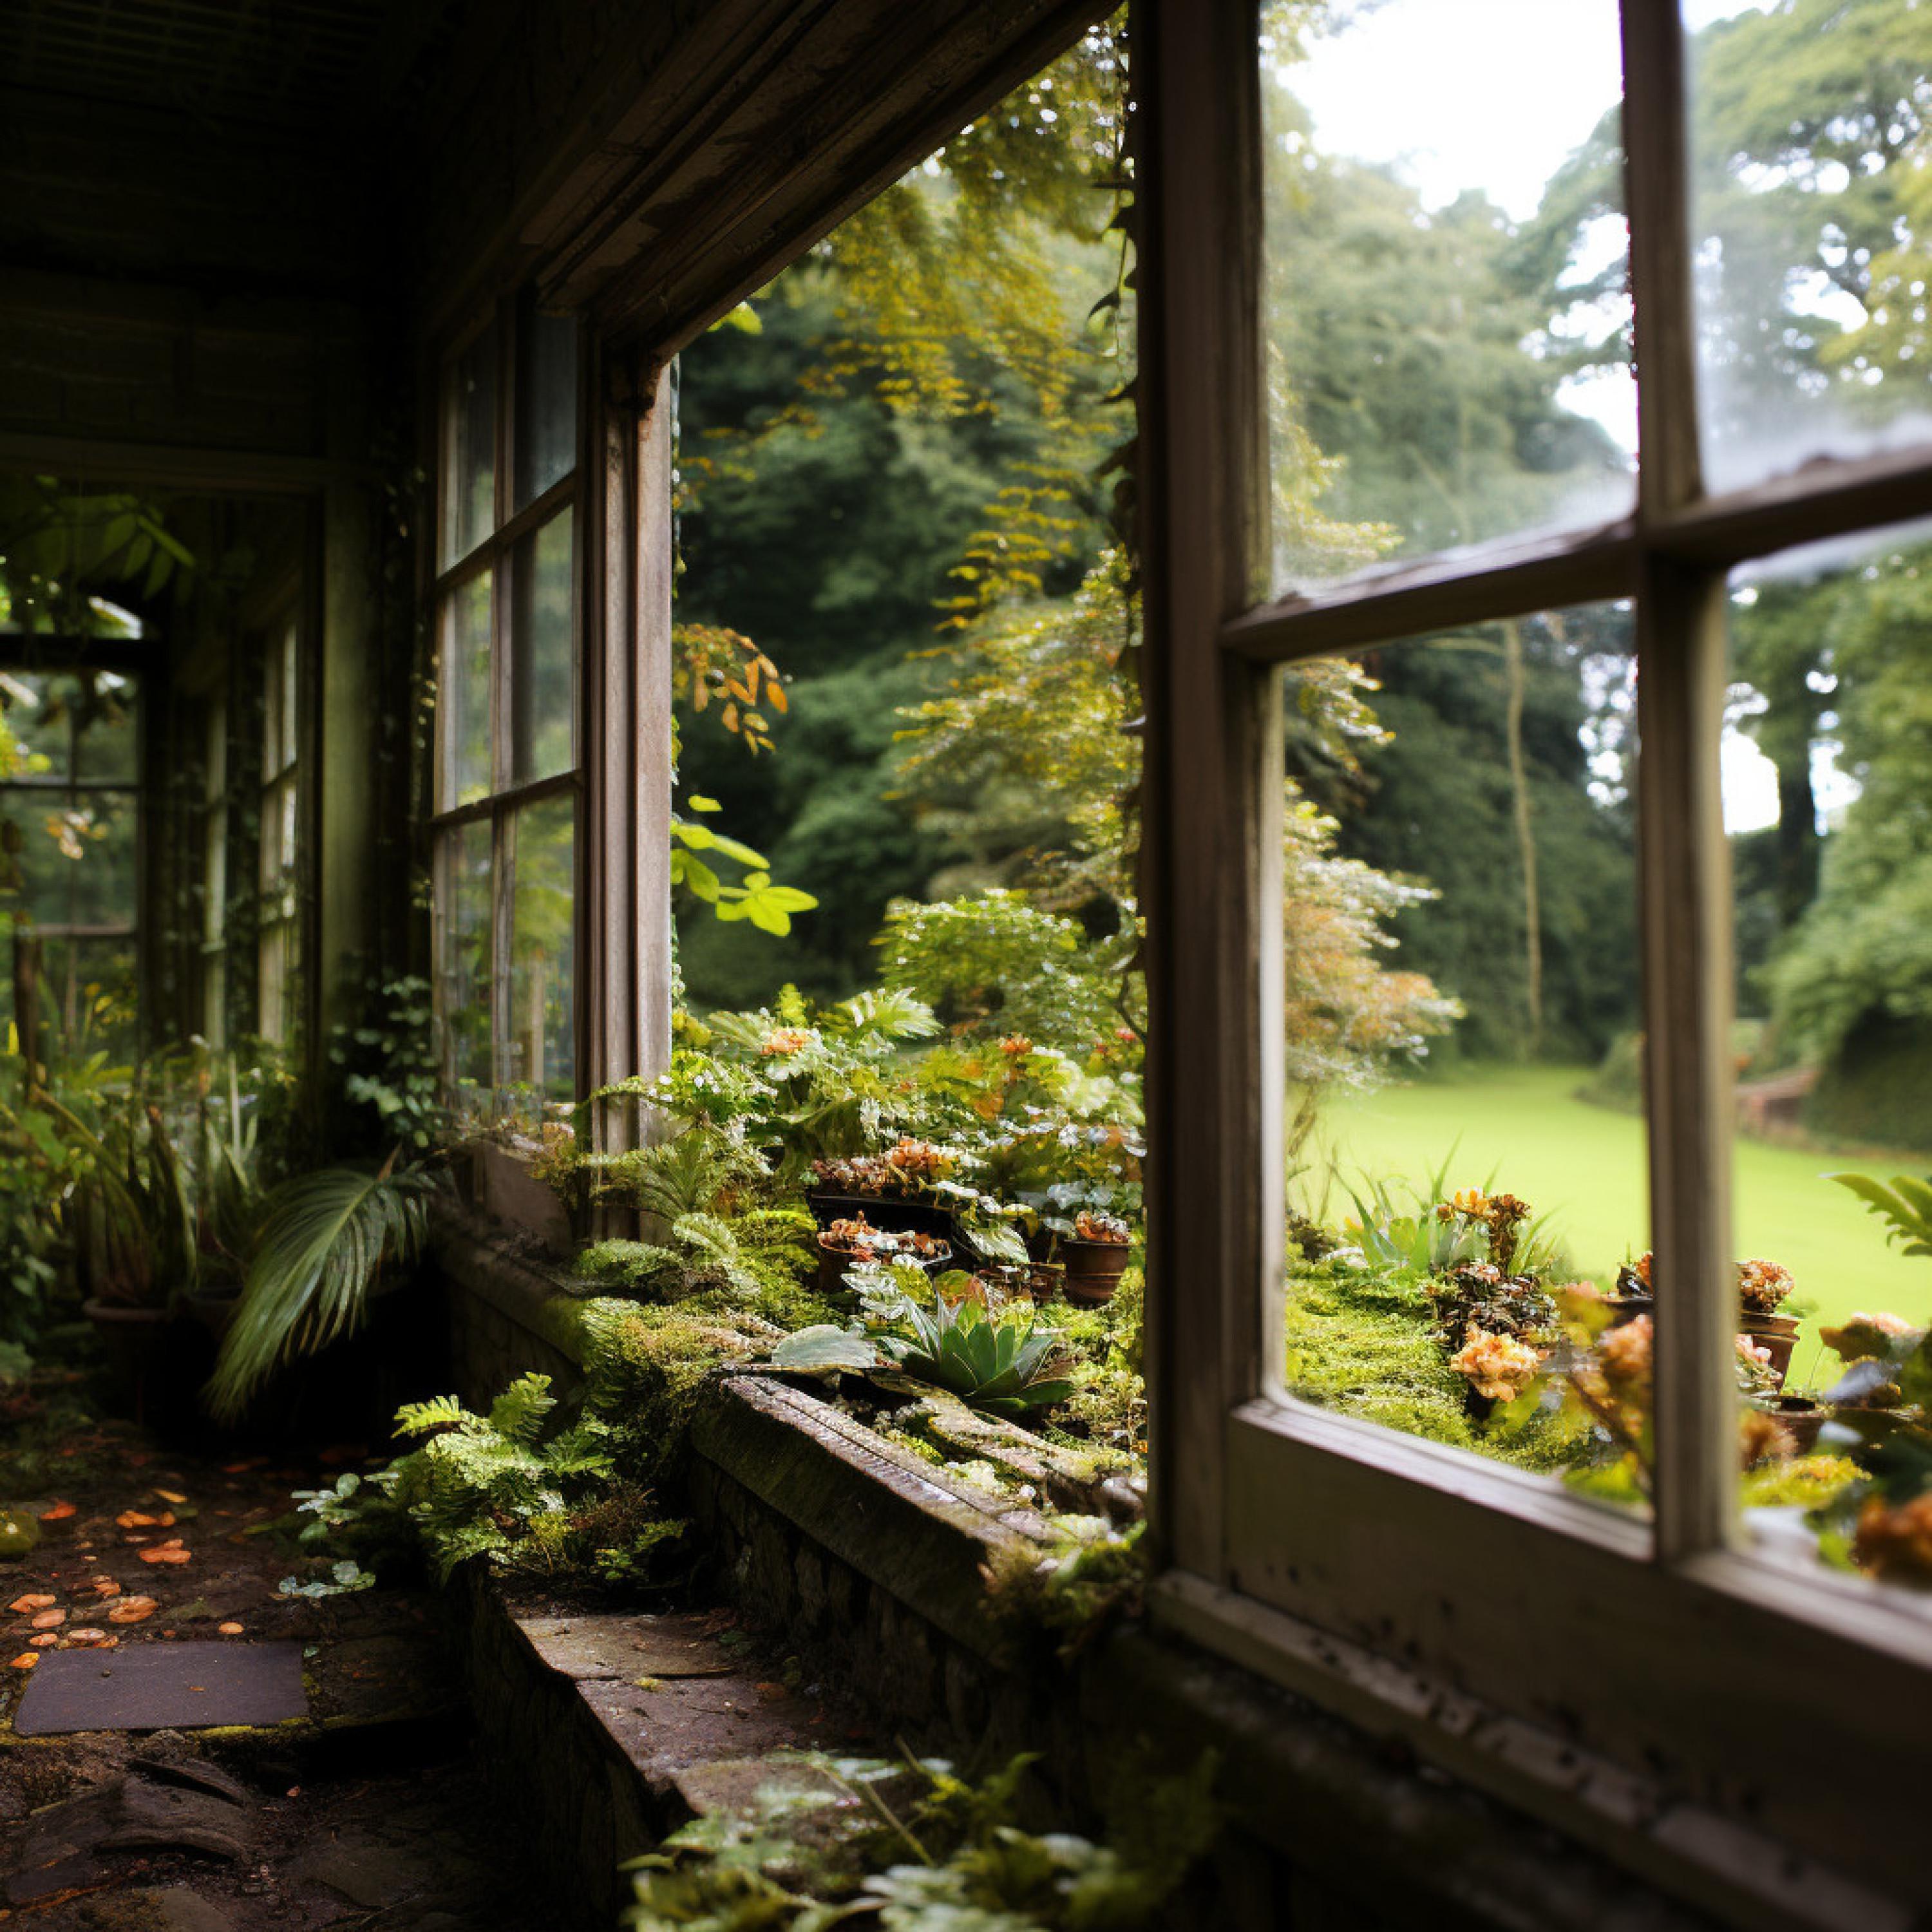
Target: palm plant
[{"x": 324, "y": 1240}]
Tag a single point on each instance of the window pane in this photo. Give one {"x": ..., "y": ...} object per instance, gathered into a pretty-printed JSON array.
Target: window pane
[
  {"x": 40, "y": 715},
  {"x": 542, "y": 685},
  {"x": 1465, "y": 1157},
  {"x": 1812, "y": 212},
  {"x": 76, "y": 861},
  {"x": 1827, "y": 765},
  {"x": 275, "y": 993},
  {"x": 466, "y": 764},
  {"x": 1444, "y": 312},
  {"x": 541, "y": 1039},
  {"x": 106, "y": 745},
  {"x": 464, "y": 951},
  {"x": 87, "y": 995},
  {"x": 546, "y": 404},
  {"x": 470, "y": 449}
]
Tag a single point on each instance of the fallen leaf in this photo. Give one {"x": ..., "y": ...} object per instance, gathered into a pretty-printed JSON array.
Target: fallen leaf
[
  {"x": 169, "y": 1551},
  {"x": 59, "y": 1513},
  {"x": 132, "y": 1610},
  {"x": 106, "y": 1586},
  {"x": 170, "y": 1496},
  {"x": 229, "y": 1629},
  {"x": 46, "y": 1640},
  {"x": 134, "y": 1519},
  {"x": 20, "y": 1606},
  {"x": 242, "y": 1468},
  {"x": 26, "y": 1660},
  {"x": 48, "y": 1619},
  {"x": 87, "y": 1634},
  {"x": 293, "y": 1791}
]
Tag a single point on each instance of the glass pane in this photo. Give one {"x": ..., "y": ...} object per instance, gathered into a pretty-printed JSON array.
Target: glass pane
[
  {"x": 470, "y": 449},
  {"x": 1444, "y": 310},
  {"x": 106, "y": 719},
  {"x": 280, "y": 806},
  {"x": 543, "y": 690},
  {"x": 466, "y": 763},
  {"x": 542, "y": 1042},
  {"x": 464, "y": 953},
  {"x": 88, "y": 997},
  {"x": 1827, "y": 769},
  {"x": 546, "y": 404},
  {"x": 281, "y": 704},
  {"x": 39, "y": 716},
  {"x": 77, "y": 862},
  {"x": 1811, "y": 203},
  {"x": 1466, "y": 1148}
]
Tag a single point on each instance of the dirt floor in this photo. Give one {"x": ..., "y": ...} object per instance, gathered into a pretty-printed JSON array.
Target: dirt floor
[{"x": 368, "y": 1811}]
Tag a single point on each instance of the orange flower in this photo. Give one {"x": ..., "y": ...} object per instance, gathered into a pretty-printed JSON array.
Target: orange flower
[
  {"x": 1498, "y": 1366},
  {"x": 1626, "y": 1355},
  {"x": 782, "y": 1042},
  {"x": 1896, "y": 1543},
  {"x": 1016, "y": 1045}
]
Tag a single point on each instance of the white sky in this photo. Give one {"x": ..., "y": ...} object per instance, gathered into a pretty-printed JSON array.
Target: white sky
[{"x": 1496, "y": 94}]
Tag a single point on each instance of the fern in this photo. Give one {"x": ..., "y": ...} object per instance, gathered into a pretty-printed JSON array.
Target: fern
[
  {"x": 519, "y": 1412},
  {"x": 418, "y": 1418}
]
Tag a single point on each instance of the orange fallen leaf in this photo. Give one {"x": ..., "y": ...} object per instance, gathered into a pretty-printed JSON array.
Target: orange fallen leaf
[
  {"x": 48, "y": 1619},
  {"x": 132, "y": 1610},
  {"x": 46, "y": 1640},
  {"x": 133, "y": 1519},
  {"x": 59, "y": 1513},
  {"x": 106, "y": 1586},
  {"x": 26, "y": 1660},
  {"x": 229, "y": 1629},
  {"x": 88, "y": 1634},
  {"x": 169, "y": 1551},
  {"x": 20, "y": 1606},
  {"x": 242, "y": 1468}
]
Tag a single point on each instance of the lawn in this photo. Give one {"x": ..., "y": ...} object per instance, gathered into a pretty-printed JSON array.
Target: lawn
[{"x": 1583, "y": 1165}]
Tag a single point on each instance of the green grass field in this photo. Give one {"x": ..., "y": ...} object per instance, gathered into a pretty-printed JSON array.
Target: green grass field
[{"x": 1583, "y": 1166}]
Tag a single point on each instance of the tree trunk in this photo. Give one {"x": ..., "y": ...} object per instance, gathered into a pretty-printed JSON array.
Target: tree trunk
[{"x": 1525, "y": 840}]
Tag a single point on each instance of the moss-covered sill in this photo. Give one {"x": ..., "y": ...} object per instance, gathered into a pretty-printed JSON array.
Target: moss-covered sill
[{"x": 1350, "y": 1806}]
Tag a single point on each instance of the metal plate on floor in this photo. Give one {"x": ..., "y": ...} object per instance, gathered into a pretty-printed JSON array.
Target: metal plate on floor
[{"x": 154, "y": 1686}]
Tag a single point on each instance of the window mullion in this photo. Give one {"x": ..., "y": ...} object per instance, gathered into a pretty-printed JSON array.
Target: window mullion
[
  {"x": 1209, "y": 1119},
  {"x": 1685, "y": 884},
  {"x": 1683, "y": 867}
]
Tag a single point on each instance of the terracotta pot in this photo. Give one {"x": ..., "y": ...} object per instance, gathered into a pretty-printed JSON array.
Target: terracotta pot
[
  {"x": 1776, "y": 1333},
  {"x": 832, "y": 1263},
  {"x": 137, "y": 1339},
  {"x": 1093, "y": 1270},
  {"x": 1802, "y": 1417}
]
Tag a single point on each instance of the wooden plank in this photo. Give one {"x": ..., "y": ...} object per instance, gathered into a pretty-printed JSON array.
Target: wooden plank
[
  {"x": 81, "y": 459},
  {"x": 650, "y": 800},
  {"x": 1515, "y": 577},
  {"x": 1210, "y": 844}
]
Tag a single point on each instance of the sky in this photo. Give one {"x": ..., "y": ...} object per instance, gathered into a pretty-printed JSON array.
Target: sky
[{"x": 1530, "y": 80}]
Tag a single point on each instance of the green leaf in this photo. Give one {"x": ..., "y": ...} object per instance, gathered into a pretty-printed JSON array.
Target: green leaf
[{"x": 824, "y": 1348}]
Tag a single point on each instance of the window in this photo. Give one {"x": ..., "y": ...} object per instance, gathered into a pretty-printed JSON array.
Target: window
[
  {"x": 215, "y": 874},
  {"x": 1554, "y": 1648},
  {"x": 278, "y": 947},
  {"x": 508, "y": 774},
  {"x": 72, "y": 811}
]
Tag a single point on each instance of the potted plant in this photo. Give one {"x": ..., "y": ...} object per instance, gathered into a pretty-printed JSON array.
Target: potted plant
[
  {"x": 853, "y": 1240},
  {"x": 1094, "y": 1254},
  {"x": 1762, "y": 1287}
]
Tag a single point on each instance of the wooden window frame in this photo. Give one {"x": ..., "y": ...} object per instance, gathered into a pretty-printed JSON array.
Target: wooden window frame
[
  {"x": 1640, "y": 1683},
  {"x": 279, "y": 801},
  {"x": 495, "y": 552},
  {"x": 621, "y": 489}
]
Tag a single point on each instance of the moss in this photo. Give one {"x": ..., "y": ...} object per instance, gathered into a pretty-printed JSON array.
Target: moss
[
  {"x": 1806, "y": 1482},
  {"x": 1365, "y": 1344}
]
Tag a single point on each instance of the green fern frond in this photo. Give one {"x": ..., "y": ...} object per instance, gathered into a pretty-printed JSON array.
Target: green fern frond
[
  {"x": 418, "y": 1418},
  {"x": 519, "y": 1412}
]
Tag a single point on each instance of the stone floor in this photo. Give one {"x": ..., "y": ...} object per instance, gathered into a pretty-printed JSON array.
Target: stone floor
[{"x": 370, "y": 1810}]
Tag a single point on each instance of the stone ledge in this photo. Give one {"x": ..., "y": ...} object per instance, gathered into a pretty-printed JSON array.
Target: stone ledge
[{"x": 902, "y": 1523}]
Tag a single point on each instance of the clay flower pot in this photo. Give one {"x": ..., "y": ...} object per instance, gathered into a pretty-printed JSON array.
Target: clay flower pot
[
  {"x": 1093, "y": 1270},
  {"x": 1777, "y": 1334}
]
